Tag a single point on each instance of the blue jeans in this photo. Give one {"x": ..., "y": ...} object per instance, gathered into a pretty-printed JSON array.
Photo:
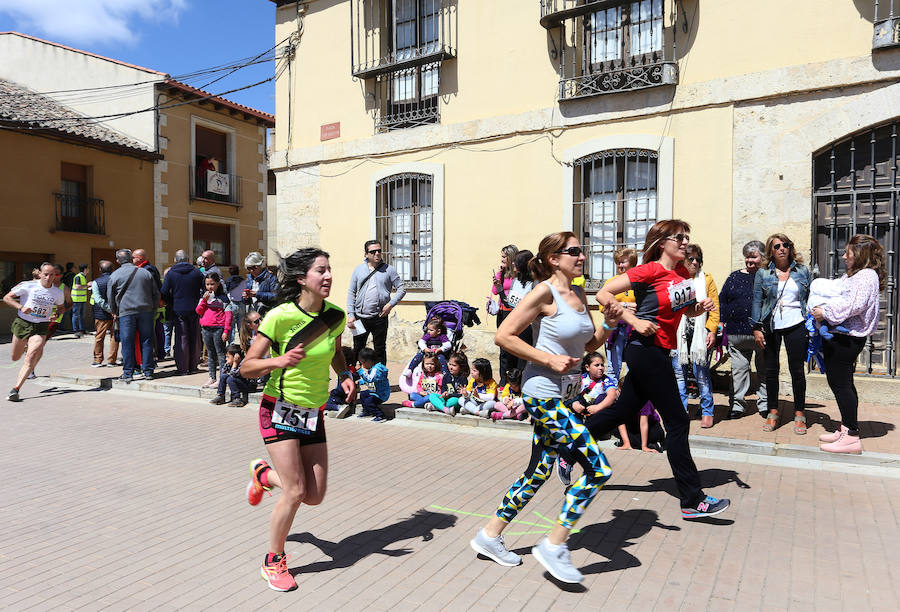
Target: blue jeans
[
  {"x": 133, "y": 325},
  {"x": 215, "y": 349},
  {"x": 617, "y": 352},
  {"x": 701, "y": 372},
  {"x": 78, "y": 317},
  {"x": 168, "y": 328}
]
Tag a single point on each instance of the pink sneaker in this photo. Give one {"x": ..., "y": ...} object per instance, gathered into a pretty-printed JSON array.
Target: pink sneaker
[
  {"x": 278, "y": 576},
  {"x": 846, "y": 444},
  {"x": 833, "y": 437},
  {"x": 407, "y": 404},
  {"x": 255, "y": 488}
]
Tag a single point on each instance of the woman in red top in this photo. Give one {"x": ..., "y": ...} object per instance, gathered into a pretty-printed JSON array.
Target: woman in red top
[{"x": 664, "y": 292}]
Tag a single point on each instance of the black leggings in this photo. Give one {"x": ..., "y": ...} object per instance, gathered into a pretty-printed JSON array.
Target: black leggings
[
  {"x": 651, "y": 378},
  {"x": 796, "y": 341},
  {"x": 840, "y": 361}
]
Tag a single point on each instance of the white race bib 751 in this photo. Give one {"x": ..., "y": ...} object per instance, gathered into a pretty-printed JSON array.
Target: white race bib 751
[{"x": 289, "y": 417}]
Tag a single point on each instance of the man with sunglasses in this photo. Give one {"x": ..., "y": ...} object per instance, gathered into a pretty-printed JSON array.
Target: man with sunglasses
[
  {"x": 262, "y": 286},
  {"x": 369, "y": 299}
]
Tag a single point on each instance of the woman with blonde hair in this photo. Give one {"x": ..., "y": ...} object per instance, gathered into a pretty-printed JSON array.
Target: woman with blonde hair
[
  {"x": 780, "y": 291},
  {"x": 502, "y": 284},
  {"x": 857, "y": 310}
]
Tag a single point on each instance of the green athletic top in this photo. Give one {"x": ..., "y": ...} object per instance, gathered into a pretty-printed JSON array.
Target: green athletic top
[{"x": 306, "y": 384}]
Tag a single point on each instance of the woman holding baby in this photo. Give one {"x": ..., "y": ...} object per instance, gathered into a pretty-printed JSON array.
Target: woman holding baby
[{"x": 854, "y": 307}]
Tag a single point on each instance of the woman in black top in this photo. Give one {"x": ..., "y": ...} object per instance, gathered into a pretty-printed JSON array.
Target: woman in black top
[{"x": 735, "y": 302}]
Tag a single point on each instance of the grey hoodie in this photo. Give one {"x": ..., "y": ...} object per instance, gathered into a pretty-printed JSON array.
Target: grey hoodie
[{"x": 142, "y": 294}]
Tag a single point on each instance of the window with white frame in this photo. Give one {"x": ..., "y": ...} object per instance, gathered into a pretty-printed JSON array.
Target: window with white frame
[
  {"x": 623, "y": 32},
  {"x": 614, "y": 205},
  {"x": 404, "y": 225}
]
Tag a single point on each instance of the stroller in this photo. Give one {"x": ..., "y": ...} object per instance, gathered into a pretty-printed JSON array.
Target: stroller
[{"x": 455, "y": 316}]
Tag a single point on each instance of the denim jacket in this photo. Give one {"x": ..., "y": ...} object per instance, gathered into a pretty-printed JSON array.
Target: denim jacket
[{"x": 765, "y": 291}]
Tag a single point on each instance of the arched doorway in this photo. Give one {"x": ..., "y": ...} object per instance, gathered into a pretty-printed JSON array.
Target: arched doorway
[{"x": 856, "y": 190}]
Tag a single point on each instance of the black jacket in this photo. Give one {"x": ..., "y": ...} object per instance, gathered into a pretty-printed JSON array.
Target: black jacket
[{"x": 182, "y": 288}]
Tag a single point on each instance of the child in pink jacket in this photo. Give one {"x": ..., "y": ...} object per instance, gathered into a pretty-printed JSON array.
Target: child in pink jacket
[{"x": 215, "y": 313}]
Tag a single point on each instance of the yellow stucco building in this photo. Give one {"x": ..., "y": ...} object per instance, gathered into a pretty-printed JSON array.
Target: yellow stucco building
[{"x": 449, "y": 128}]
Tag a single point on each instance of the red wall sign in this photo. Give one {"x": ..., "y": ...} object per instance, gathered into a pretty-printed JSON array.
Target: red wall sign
[{"x": 330, "y": 131}]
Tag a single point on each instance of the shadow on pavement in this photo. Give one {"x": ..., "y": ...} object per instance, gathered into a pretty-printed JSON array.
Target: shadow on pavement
[
  {"x": 374, "y": 541},
  {"x": 709, "y": 478},
  {"x": 611, "y": 538},
  {"x": 50, "y": 391}
]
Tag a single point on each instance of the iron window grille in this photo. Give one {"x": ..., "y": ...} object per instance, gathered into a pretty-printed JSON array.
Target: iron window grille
[
  {"x": 75, "y": 213},
  {"x": 614, "y": 206},
  {"x": 401, "y": 44},
  {"x": 403, "y": 224},
  {"x": 855, "y": 191},
  {"x": 609, "y": 46},
  {"x": 887, "y": 24}
]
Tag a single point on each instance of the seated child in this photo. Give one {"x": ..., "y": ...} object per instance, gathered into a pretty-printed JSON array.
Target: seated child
[
  {"x": 239, "y": 386},
  {"x": 429, "y": 382},
  {"x": 454, "y": 382},
  {"x": 434, "y": 342},
  {"x": 337, "y": 399},
  {"x": 374, "y": 387},
  {"x": 644, "y": 431},
  {"x": 598, "y": 391},
  {"x": 480, "y": 394},
  {"x": 510, "y": 405}
]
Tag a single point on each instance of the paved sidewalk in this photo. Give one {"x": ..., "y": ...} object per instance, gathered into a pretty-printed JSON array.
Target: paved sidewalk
[
  {"x": 136, "y": 501},
  {"x": 877, "y": 421}
]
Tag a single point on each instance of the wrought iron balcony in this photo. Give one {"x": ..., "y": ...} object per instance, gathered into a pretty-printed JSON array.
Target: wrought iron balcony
[
  {"x": 887, "y": 25},
  {"x": 407, "y": 98},
  {"x": 215, "y": 186},
  {"x": 610, "y": 46},
  {"x": 389, "y": 35},
  {"x": 78, "y": 214}
]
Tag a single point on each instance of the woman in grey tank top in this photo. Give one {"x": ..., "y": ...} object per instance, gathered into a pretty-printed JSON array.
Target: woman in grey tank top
[{"x": 564, "y": 331}]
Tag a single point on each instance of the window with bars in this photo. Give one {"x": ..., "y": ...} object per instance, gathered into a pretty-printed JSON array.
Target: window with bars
[
  {"x": 403, "y": 224},
  {"x": 614, "y": 205},
  {"x": 611, "y": 46},
  {"x": 408, "y": 97}
]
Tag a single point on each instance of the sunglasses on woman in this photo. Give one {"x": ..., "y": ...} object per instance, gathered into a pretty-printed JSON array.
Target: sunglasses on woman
[
  {"x": 254, "y": 321},
  {"x": 574, "y": 251},
  {"x": 679, "y": 237},
  {"x": 777, "y": 246}
]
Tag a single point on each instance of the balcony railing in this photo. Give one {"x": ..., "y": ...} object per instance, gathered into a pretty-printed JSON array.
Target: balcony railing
[
  {"x": 887, "y": 24},
  {"x": 388, "y": 35},
  {"x": 407, "y": 98},
  {"x": 609, "y": 46},
  {"x": 215, "y": 186},
  {"x": 78, "y": 214}
]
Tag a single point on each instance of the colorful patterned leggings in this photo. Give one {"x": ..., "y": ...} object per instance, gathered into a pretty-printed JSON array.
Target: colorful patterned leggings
[{"x": 556, "y": 425}]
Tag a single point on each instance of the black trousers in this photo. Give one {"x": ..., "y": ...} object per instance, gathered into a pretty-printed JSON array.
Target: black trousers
[
  {"x": 378, "y": 327},
  {"x": 508, "y": 361},
  {"x": 651, "y": 378},
  {"x": 796, "y": 341},
  {"x": 840, "y": 354}
]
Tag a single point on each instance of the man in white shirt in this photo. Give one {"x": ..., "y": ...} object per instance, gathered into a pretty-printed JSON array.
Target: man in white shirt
[{"x": 34, "y": 302}]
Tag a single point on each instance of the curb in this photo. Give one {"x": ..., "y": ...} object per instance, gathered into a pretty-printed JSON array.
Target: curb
[{"x": 730, "y": 445}]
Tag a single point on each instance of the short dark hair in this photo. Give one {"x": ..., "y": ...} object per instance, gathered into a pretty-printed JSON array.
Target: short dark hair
[
  {"x": 370, "y": 243},
  {"x": 105, "y": 266},
  {"x": 83, "y": 267},
  {"x": 484, "y": 368},
  {"x": 514, "y": 376},
  {"x": 235, "y": 349},
  {"x": 366, "y": 354}
]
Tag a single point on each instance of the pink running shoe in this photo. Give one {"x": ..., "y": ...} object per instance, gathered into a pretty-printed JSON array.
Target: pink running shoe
[
  {"x": 277, "y": 575},
  {"x": 255, "y": 488}
]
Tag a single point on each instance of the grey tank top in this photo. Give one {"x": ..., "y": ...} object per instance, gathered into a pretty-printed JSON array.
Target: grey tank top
[{"x": 563, "y": 333}]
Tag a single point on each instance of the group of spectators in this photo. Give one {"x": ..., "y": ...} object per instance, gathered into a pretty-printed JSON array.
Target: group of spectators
[{"x": 190, "y": 311}]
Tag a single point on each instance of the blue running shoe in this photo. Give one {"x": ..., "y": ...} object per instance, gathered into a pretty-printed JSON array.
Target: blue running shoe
[{"x": 710, "y": 506}]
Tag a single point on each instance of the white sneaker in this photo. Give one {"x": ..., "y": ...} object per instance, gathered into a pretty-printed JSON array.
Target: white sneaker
[
  {"x": 556, "y": 560},
  {"x": 494, "y": 549},
  {"x": 138, "y": 376},
  {"x": 210, "y": 384},
  {"x": 344, "y": 411}
]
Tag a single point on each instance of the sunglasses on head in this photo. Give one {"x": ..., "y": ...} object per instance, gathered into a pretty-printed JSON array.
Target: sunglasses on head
[
  {"x": 574, "y": 251},
  {"x": 779, "y": 245},
  {"x": 679, "y": 237},
  {"x": 373, "y": 251}
]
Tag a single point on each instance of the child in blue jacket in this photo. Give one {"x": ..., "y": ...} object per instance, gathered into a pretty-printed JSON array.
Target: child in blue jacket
[{"x": 374, "y": 387}]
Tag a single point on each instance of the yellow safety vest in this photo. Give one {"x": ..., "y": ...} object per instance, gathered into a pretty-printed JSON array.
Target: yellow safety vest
[{"x": 79, "y": 295}]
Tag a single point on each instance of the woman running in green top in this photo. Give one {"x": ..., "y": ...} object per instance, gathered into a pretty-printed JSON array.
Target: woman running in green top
[{"x": 291, "y": 412}]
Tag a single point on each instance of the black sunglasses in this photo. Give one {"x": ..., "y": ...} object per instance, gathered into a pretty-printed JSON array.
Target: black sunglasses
[
  {"x": 778, "y": 245},
  {"x": 373, "y": 251},
  {"x": 574, "y": 251},
  {"x": 253, "y": 321},
  {"x": 679, "y": 237},
  {"x": 694, "y": 259}
]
